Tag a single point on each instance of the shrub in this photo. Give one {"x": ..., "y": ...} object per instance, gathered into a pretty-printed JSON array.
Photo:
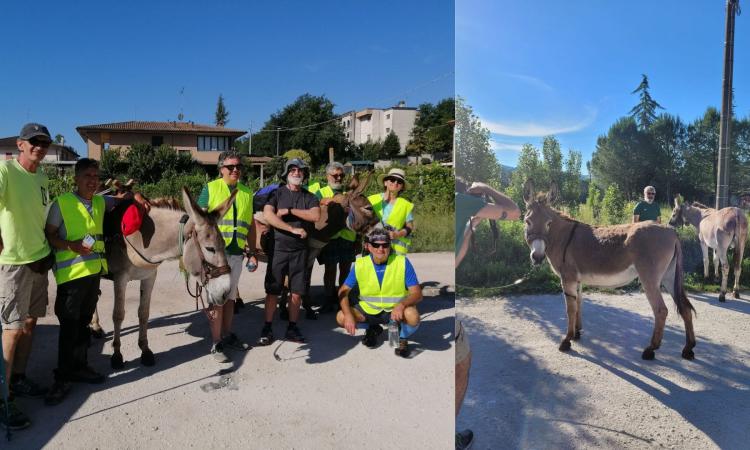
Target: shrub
[{"x": 613, "y": 205}]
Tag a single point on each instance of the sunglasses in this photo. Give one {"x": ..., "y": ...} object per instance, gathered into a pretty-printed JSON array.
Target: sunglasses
[
  {"x": 380, "y": 245},
  {"x": 296, "y": 170},
  {"x": 232, "y": 167},
  {"x": 41, "y": 143},
  {"x": 395, "y": 180},
  {"x": 337, "y": 176},
  {"x": 651, "y": 194}
]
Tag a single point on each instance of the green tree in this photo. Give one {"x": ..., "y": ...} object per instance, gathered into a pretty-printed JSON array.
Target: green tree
[
  {"x": 391, "y": 146},
  {"x": 668, "y": 138},
  {"x": 571, "y": 187},
  {"x": 623, "y": 157},
  {"x": 370, "y": 150},
  {"x": 59, "y": 139},
  {"x": 298, "y": 153},
  {"x": 613, "y": 205},
  {"x": 645, "y": 111},
  {"x": 149, "y": 165},
  {"x": 308, "y": 123},
  {"x": 222, "y": 115},
  {"x": 552, "y": 161},
  {"x": 594, "y": 201},
  {"x": 529, "y": 167},
  {"x": 700, "y": 155},
  {"x": 474, "y": 159},
  {"x": 433, "y": 130},
  {"x": 112, "y": 164}
]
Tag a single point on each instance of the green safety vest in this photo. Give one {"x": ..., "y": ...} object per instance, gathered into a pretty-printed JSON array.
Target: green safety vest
[
  {"x": 69, "y": 265},
  {"x": 346, "y": 233},
  {"x": 313, "y": 188},
  {"x": 374, "y": 297},
  {"x": 218, "y": 191},
  {"x": 397, "y": 219}
]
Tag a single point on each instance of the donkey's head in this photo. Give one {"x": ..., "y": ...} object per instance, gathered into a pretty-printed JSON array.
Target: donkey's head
[
  {"x": 538, "y": 218},
  {"x": 678, "y": 213},
  {"x": 204, "y": 256},
  {"x": 360, "y": 216}
]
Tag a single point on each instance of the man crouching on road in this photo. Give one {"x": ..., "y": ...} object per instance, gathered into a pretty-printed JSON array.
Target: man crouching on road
[{"x": 388, "y": 290}]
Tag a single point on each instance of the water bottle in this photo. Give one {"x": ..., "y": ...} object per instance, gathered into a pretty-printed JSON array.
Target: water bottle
[
  {"x": 251, "y": 266},
  {"x": 393, "y": 333}
]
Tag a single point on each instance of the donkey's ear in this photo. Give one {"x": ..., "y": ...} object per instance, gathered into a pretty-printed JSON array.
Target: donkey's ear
[
  {"x": 354, "y": 182},
  {"x": 222, "y": 209},
  {"x": 528, "y": 192},
  {"x": 678, "y": 200},
  {"x": 553, "y": 194},
  {"x": 192, "y": 208},
  {"x": 363, "y": 184}
]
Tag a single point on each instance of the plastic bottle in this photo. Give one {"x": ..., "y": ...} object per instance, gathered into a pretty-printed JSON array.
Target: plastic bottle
[
  {"x": 251, "y": 266},
  {"x": 393, "y": 333}
]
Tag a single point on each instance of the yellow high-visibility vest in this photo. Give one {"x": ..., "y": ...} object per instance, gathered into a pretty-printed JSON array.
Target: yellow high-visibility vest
[
  {"x": 374, "y": 297},
  {"x": 397, "y": 219},
  {"x": 218, "y": 191},
  {"x": 346, "y": 233},
  {"x": 313, "y": 188},
  {"x": 69, "y": 265}
]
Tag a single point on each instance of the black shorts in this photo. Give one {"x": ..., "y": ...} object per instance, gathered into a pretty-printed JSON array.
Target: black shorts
[
  {"x": 381, "y": 318},
  {"x": 282, "y": 264},
  {"x": 76, "y": 300}
]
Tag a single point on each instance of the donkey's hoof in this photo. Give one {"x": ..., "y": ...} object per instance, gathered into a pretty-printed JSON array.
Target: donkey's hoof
[
  {"x": 736, "y": 293},
  {"x": 648, "y": 354},
  {"x": 688, "y": 354},
  {"x": 147, "y": 358},
  {"x": 564, "y": 346},
  {"x": 97, "y": 333},
  {"x": 577, "y": 335},
  {"x": 117, "y": 362},
  {"x": 722, "y": 297}
]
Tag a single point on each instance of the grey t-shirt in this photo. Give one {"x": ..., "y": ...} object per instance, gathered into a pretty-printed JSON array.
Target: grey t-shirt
[
  {"x": 283, "y": 198},
  {"x": 54, "y": 217}
]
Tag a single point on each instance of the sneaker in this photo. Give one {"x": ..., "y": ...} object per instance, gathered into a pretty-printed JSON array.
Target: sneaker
[
  {"x": 311, "y": 314},
  {"x": 86, "y": 375},
  {"x": 219, "y": 354},
  {"x": 25, "y": 387},
  {"x": 232, "y": 341},
  {"x": 403, "y": 348},
  {"x": 266, "y": 336},
  {"x": 293, "y": 334},
  {"x": 371, "y": 336},
  {"x": 11, "y": 418},
  {"x": 57, "y": 393},
  {"x": 464, "y": 439}
]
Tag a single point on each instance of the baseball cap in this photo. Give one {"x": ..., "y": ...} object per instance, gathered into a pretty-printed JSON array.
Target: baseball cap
[{"x": 32, "y": 130}]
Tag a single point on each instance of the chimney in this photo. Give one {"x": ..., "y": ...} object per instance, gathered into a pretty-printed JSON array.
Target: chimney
[{"x": 401, "y": 104}]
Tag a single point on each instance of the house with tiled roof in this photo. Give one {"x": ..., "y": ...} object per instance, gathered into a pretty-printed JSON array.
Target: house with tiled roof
[
  {"x": 57, "y": 154},
  {"x": 204, "y": 143}
]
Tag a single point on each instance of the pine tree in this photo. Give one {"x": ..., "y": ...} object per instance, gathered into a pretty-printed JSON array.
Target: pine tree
[
  {"x": 222, "y": 115},
  {"x": 645, "y": 111}
]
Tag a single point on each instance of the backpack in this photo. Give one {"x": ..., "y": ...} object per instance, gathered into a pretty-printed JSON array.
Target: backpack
[{"x": 261, "y": 197}]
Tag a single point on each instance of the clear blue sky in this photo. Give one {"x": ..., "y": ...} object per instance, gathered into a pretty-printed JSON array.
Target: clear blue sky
[
  {"x": 568, "y": 68},
  {"x": 67, "y": 64}
]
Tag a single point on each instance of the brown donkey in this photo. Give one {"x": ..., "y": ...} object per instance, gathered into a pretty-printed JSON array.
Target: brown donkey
[
  {"x": 608, "y": 257},
  {"x": 717, "y": 229}
]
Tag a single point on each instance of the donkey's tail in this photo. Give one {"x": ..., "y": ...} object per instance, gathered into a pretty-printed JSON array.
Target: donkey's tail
[
  {"x": 740, "y": 235},
  {"x": 678, "y": 294}
]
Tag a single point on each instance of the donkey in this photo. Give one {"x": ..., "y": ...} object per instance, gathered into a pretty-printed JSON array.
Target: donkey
[
  {"x": 717, "y": 229},
  {"x": 608, "y": 257},
  {"x": 138, "y": 256}
]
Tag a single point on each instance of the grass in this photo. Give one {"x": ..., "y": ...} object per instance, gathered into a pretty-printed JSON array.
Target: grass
[{"x": 434, "y": 231}]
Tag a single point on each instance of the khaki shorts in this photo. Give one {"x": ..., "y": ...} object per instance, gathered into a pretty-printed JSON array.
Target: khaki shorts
[
  {"x": 462, "y": 343},
  {"x": 235, "y": 263},
  {"x": 23, "y": 294}
]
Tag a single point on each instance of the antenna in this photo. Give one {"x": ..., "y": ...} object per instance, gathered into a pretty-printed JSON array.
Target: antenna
[{"x": 181, "y": 116}]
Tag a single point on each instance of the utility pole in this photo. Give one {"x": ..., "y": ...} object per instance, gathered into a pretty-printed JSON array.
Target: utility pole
[
  {"x": 250, "y": 140},
  {"x": 277, "y": 140},
  {"x": 725, "y": 131}
]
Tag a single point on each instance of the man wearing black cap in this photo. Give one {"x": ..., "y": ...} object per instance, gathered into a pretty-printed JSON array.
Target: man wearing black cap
[
  {"x": 24, "y": 262},
  {"x": 292, "y": 211},
  {"x": 388, "y": 291}
]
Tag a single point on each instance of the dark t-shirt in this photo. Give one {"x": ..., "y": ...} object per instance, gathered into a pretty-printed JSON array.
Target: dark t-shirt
[
  {"x": 283, "y": 198},
  {"x": 647, "y": 211},
  {"x": 467, "y": 205}
]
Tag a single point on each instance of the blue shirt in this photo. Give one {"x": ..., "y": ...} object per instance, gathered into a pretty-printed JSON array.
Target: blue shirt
[{"x": 411, "y": 275}]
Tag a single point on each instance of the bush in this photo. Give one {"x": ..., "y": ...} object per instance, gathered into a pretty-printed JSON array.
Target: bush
[
  {"x": 613, "y": 205},
  {"x": 298, "y": 153}
]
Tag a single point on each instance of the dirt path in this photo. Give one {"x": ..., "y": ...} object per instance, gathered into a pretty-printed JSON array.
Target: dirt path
[
  {"x": 524, "y": 393},
  {"x": 330, "y": 393}
]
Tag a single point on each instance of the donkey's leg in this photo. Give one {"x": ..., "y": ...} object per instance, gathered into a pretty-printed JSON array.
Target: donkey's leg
[
  {"x": 96, "y": 328},
  {"x": 144, "y": 307},
  {"x": 704, "y": 253},
  {"x": 570, "y": 288},
  {"x": 724, "y": 272},
  {"x": 716, "y": 264},
  {"x": 118, "y": 315},
  {"x": 739, "y": 249},
  {"x": 655, "y": 299},
  {"x": 579, "y": 318}
]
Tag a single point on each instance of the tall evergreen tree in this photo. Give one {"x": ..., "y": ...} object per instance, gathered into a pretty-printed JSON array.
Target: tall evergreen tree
[
  {"x": 474, "y": 158},
  {"x": 391, "y": 146},
  {"x": 645, "y": 111},
  {"x": 222, "y": 115}
]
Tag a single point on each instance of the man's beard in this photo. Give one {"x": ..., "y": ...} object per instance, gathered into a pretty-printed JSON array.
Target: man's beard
[
  {"x": 336, "y": 185},
  {"x": 294, "y": 181}
]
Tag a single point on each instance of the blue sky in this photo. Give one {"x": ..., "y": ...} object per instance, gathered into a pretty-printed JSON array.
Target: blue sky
[
  {"x": 67, "y": 64},
  {"x": 568, "y": 68}
]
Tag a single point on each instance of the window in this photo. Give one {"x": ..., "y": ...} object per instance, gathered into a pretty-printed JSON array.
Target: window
[
  {"x": 105, "y": 146},
  {"x": 157, "y": 141},
  {"x": 347, "y": 135},
  {"x": 387, "y": 130},
  {"x": 213, "y": 143},
  {"x": 388, "y": 116}
]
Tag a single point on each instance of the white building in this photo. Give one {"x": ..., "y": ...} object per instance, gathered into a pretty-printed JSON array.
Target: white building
[{"x": 374, "y": 124}]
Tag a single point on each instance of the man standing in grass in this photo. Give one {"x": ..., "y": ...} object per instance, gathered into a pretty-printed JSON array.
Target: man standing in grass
[{"x": 647, "y": 209}]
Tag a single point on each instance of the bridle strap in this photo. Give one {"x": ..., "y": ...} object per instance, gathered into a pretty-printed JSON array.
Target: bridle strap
[{"x": 570, "y": 238}]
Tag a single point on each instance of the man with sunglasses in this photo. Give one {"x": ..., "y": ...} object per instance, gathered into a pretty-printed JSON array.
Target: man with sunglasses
[
  {"x": 647, "y": 209},
  {"x": 340, "y": 251},
  {"x": 292, "y": 211},
  {"x": 388, "y": 290},
  {"x": 234, "y": 227},
  {"x": 24, "y": 262}
]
